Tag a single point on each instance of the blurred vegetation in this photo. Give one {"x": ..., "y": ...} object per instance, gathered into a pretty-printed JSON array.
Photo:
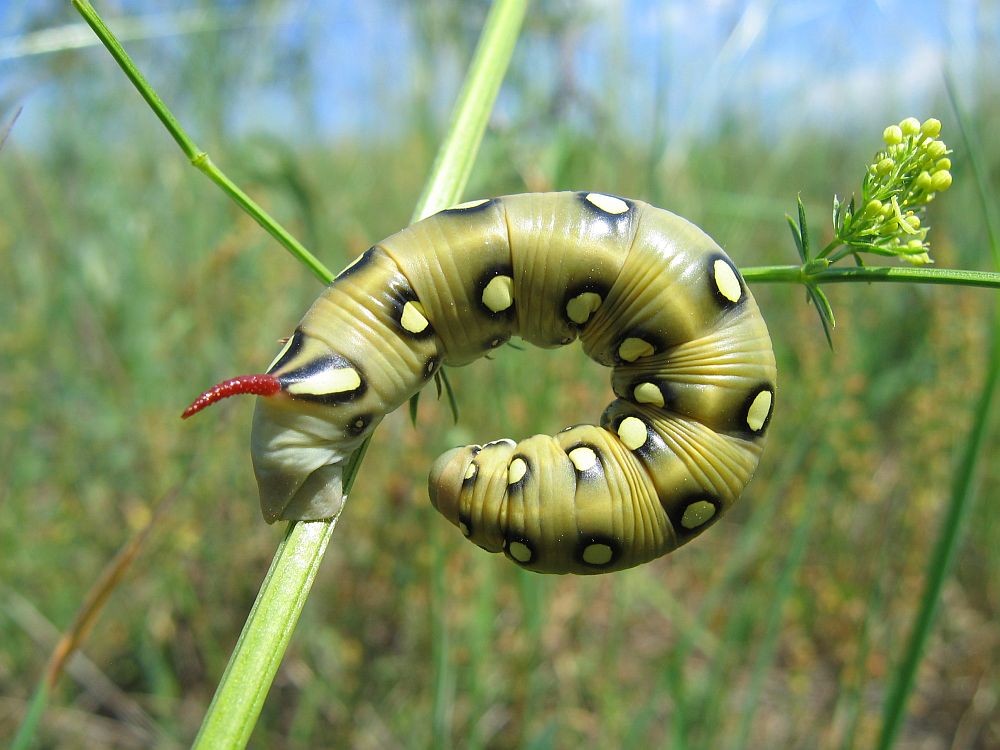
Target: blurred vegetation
[{"x": 131, "y": 283}]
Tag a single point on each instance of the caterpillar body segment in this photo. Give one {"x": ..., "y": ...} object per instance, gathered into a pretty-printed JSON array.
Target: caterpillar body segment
[{"x": 648, "y": 294}]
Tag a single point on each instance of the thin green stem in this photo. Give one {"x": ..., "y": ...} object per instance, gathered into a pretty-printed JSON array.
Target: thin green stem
[
  {"x": 204, "y": 164},
  {"x": 233, "y": 712},
  {"x": 239, "y": 698},
  {"x": 26, "y": 733},
  {"x": 118, "y": 52},
  {"x": 894, "y": 274},
  {"x": 453, "y": 164},
  {"x": 939, "y": 565},
  {"x": 201, "y": 161},
  {"x": 963, "y": 487},
  {"x": 449, "y": 176},
  {"x": 834, "y": 244}
]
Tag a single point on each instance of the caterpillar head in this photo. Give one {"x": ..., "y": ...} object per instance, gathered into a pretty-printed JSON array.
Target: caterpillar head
[{"x": 305, "y": 425}]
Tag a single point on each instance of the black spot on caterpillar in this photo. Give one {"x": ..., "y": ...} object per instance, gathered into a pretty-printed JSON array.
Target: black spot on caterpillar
[{"x": 648, "y": 293}]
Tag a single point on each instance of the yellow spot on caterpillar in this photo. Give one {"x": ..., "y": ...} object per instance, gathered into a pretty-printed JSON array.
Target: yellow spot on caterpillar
[
  {"x": 464, "y": 528},
  {"x": 696, "y": 514},
  {"x": 471, "y": 471},
  {"x": 470, "y": 204},
  {"x": 759, "y": 409},
  {"x": 582, "y": 306},
  {"x": 632, "y": 431},
  {"x": 284, "y": 350},
  {"x": 516, "y": 471},
  {"x": 583, "y": 458},
  {"x": 608, "y": 203},
  {"x": 727, "y": 281},
  {"x": 414, "y": 318},
  {"x": 499, "y": 293},
  {"x": 519, "y": 551},
  {"x": 648, "y": 393},
  {"x": 632, "y": 349},
  {"x": 332, "y": 380},
  {"x": 597, "y": 554}
]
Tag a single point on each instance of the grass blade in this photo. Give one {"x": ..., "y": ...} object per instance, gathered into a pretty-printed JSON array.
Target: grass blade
[
  {"x": 85, "y": 619},
  {"x": 25, "y": 736},
  {"x": 454, "y": 161},
  {"x": 939, "y": 565},
  {"x": 962, "y": 492},
  {"x": 8, "y": 127}
]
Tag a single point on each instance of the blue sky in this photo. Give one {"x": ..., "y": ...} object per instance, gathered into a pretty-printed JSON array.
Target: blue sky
[{"x": 778, "y": 64}]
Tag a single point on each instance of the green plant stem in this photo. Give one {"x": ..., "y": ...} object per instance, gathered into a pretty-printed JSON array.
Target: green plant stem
[
  {"x": 449, "y": 175},
  {"x": 201, "y": 160},
  {"x": 26, "y": 732},
  {"x": 939, "y": 565},
  {"x": 231, "y": 717},
  {"x": 239, "y": 698},
  {"x": 895, "y": 274},
  {"x": 963, "y": 486},
  {"x": 454, "y": 161}
]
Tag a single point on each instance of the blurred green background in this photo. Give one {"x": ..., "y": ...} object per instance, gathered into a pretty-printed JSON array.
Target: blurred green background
[{"x": 130, "y": 283}]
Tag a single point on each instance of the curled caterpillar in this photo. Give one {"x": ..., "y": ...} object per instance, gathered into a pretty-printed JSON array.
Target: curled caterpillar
[{"x": 648, "y": 294}]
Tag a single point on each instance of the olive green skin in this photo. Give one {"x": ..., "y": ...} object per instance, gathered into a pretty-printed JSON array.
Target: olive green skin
[{"x": 649, "y": 295}]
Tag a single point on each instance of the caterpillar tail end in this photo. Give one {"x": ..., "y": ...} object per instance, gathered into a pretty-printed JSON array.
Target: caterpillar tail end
[
  {"x": 299, "y": 473},
  {"x": 318, "y": 498},
  {"x": 447, "y": 476}
]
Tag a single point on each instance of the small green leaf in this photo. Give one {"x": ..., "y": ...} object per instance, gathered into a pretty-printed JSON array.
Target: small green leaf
[
  {"x": 825, "y": 309},
  {"x": 797, "y": 237},
  {"x": 452, "y": 401},
  {"x": 822, "y": 305},
  {"x": 414, "y": 399},
  {"x": 803, "y": 229}
]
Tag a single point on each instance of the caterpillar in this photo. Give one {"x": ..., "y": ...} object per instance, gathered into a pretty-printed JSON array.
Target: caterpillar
[{"x": 648, "y": 294}]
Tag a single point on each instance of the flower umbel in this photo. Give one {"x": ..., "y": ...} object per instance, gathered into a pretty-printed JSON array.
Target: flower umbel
[{"x": 899, "y": 182}]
